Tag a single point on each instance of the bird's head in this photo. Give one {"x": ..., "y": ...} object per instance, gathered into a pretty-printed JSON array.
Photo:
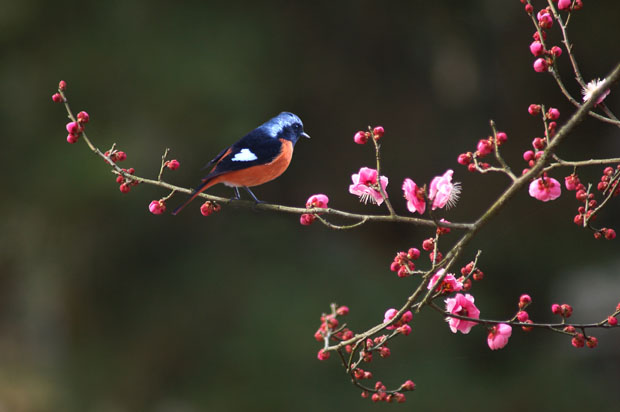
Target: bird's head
[{"x": 286, "y": 126}]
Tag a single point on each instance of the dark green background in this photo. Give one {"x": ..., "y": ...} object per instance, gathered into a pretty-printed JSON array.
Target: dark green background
[{"x": 105, "y": 307}]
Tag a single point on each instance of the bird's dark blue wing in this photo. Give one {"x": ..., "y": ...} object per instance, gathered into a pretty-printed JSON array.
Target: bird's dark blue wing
[{"x": 255, "y": 148}]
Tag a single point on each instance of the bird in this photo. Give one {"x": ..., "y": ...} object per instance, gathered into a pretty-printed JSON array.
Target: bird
[{"x": 258, "y": 157}]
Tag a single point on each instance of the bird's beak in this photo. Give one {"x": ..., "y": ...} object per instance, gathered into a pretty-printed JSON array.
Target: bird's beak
[{"x": 306, "y": 135}]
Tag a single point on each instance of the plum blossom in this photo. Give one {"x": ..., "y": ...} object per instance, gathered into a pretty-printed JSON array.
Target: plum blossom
[
  {"x": 319, "y": 200},
  {"x": 415, "y": 196},
  {"x": 593, "y": 86},
  {"x": 499, "y": 335},
  {"x": 443, "y": 192},
  {"x": 545, "y": 189},
  {"x": 462, "y": 305},
  {"x": 448, "y": 284},
  {"x": 365, "y": 185}
]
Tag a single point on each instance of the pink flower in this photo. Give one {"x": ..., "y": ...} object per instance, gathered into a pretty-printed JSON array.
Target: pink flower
[
  {"x": 365, "y": 185},
  {"x": 499, "y": 335},
  {"x": 415, "y": 196},
  {"x": 157, "y": 207},
  {"x": 448, "y": 284},
  {"x": 319, "y": 200},
  {"x": 545, "y": 189},
  {"x": 443, "y": 192},
  {"x": 462, "y": 305}
]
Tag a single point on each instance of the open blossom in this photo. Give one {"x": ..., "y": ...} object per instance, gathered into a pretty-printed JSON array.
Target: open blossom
[
  {"x": 591, "y": 87},
  {"x": 415, "y": 196},
  {"x": 448, "y": 284},
  {"x": 443, "y": 192},
  {"x": 545, "y": 189},
  {"x": 499, "y": 335},
  {"x": 319, "y": 200},
  {"x": 462, "y": 305},
  {"x": 365, "y": 185}
]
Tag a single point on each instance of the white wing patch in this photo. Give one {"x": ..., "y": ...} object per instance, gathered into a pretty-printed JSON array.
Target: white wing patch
[{"x": 245, "y": 155}]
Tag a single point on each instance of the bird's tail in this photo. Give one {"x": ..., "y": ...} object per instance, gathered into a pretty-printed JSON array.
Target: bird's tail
[{"x": 203, "y": 186}]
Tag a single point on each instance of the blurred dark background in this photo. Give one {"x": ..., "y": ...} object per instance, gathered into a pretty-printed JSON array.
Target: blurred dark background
[{"x": 105, "y": 307}]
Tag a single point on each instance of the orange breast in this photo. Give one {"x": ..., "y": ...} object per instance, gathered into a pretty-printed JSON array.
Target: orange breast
[{"x": 257, "y": 175}]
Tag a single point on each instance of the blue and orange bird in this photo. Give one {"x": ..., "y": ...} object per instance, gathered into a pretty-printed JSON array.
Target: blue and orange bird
[{"x": 259, "y": 157}]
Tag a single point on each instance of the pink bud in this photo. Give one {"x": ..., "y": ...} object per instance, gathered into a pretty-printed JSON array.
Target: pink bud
[
  {"x": 524, "y": 301},
  {"x": 537, "y": 48},
  {"x": 72, "y": 138},
  {"x": 173, "y": 164},
  {"x": 528, "y": 155},
  {"x": 406, "y": 317},
  {"x": 533, "y": 109},
  {"x": 56, "y": 98},
  {"x": 62, "y": 85},
  {"x": 540, "y": 65},
  {"x": 571, "y": 182},
  {"x": 538, "y": 143},
  {"x": 522, "y": 316},
  {"x": 555, "y": 309},
  {"x": 484, "y": 147},
  {"x": 556, "y": 51},
  {"x": 360, "y": 137},
  {"x": 610, "y": 234},
  {"x": 405, "y": 330},
  {"x": 322, "y": 355},
  {"x": 413, "y": 253},
  {"x": 83, "y": 117},
  {"x": 306, "y": 219},
  {"x": 124, "y": 188},
  {"x": 157, "y": 207},
  {"x": 342, "y": 310},
  {"x": 377, "y": 132},
  {"x": 566, "y": 310},
  {"x": 544, "y": 19},
  {"x": 501, "y": 137},
  {"x": 120, "y": 156},
  {"x": 465, "y": 158},
  {"x": 553, "y": 113},
  {"x": 73, "y": 128},
  {"x": 408, "y": 385},
  {"x": 613, "y": 321},
  {"x": 564, "y": 4}
]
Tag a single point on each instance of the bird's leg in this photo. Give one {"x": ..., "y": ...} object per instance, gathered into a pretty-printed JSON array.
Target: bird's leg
[
  {"x": 237, "y": 195},
  {"x": 252, "y": 194}
]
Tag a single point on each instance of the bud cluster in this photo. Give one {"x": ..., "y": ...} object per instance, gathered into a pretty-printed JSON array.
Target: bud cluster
[
  {"x": 126, "y": 183},
  {"x": 609, "y": 185},
  {"x": 403, "y": 262},
  {"x": 483, "y": 148},
  {"x": 376, "y": 133},
  {"x": 540, "y": 143}
]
